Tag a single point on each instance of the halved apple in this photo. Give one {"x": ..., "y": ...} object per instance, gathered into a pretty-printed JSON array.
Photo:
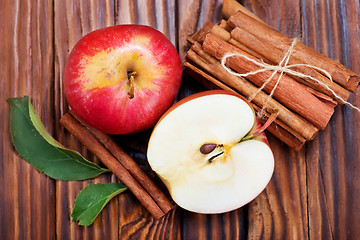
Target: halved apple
[{"x": 211, "y": 153}]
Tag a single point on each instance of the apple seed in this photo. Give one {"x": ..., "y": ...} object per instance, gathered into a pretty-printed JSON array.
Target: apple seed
[
  {"x": 207, "y": 148},
  {"x": 210, "y": 160}
]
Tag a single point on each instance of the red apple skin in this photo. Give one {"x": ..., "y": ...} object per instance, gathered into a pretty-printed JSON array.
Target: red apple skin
[{"x": 96, "y": 78}]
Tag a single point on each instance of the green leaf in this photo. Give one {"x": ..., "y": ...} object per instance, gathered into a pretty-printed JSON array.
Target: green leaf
[
  {"x": 92, "y": 199},
  {"x": 36, "y": 146}
]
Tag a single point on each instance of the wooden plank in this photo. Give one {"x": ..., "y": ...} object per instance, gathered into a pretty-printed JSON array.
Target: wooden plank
[
  {"x": 318, "y": 205},
  {"x": 229, "y": 225},
  {"x": 74, "y": 19},
  {"x": 333, "y": 159},
  {"x": 192, "y": 14},
  {"x": 280, "y": 212},
  {"x": 27, "y": 54},
  {"x": 160, "y": 14}
]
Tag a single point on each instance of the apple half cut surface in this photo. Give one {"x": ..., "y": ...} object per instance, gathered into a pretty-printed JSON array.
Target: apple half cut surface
[{"x": 207, "y": 151}]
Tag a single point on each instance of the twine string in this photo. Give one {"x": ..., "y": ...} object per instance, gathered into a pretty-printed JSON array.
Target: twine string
[{"x": 281, "y": 68}]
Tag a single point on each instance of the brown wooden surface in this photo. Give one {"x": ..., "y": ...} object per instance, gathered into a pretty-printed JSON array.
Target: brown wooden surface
[{"x": 314, "y": 193}]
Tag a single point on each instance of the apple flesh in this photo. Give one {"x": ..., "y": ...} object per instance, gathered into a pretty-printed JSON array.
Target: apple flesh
[
  {"x": 121, "y": 79},
  {"x": 211, "y": 152}
]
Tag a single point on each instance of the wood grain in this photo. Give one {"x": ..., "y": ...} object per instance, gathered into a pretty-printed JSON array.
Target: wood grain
[
  {"x": 27, "y": 55},
  {"x": 332, "y": 162},
  {"x": 74, "y": 19},
  {"x": 313, "y": 193}
]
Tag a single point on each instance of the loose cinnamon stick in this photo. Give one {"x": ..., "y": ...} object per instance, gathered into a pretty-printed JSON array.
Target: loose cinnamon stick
[
  {"x": 88, "y": 140},
  {"x": 275, "y": 55},
  {"x": 289, "y": 92},
  {"x": 277, "y": 128},
  {"x": 245, "y": 88},
  {"x": 133, "y": 168},
  {"x": 305, "y": 54}
]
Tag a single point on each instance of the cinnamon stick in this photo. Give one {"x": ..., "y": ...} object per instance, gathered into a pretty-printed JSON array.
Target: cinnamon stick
[
  {"x": 88, "y": 140},
  {"x": 133, "y": 168},
  {"x": 201, "y": 75},
  {"x": 230, "y": 7},
  {"x": 226, "y": 36},
  {"x": 223, "y": 24},
  {"x": 245, "y": 88},
  {"x": 289, "y": 92},
  {"x": 303, "y": 53}
]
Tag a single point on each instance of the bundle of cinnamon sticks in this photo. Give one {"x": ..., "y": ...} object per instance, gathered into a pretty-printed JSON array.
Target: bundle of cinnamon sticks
[
  {"x": 304, "y": 97},
  {"x": 121, "y": 164}
]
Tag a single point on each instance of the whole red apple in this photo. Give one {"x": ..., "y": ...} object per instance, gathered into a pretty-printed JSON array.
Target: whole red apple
[{"x": 121, "y": 79}]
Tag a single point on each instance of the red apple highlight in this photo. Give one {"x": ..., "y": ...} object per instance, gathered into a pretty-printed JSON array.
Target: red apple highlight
[{"x": 121, "y": 79}]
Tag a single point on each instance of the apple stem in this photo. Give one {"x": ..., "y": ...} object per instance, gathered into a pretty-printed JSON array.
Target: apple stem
[
  {"x": 270, "y": 120},
  {"x": 132, "y": 85},
  {"x": 257, "y": 132}
]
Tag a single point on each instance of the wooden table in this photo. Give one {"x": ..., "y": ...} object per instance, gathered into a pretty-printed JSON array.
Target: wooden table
[{"x": 314, "y": 193}]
